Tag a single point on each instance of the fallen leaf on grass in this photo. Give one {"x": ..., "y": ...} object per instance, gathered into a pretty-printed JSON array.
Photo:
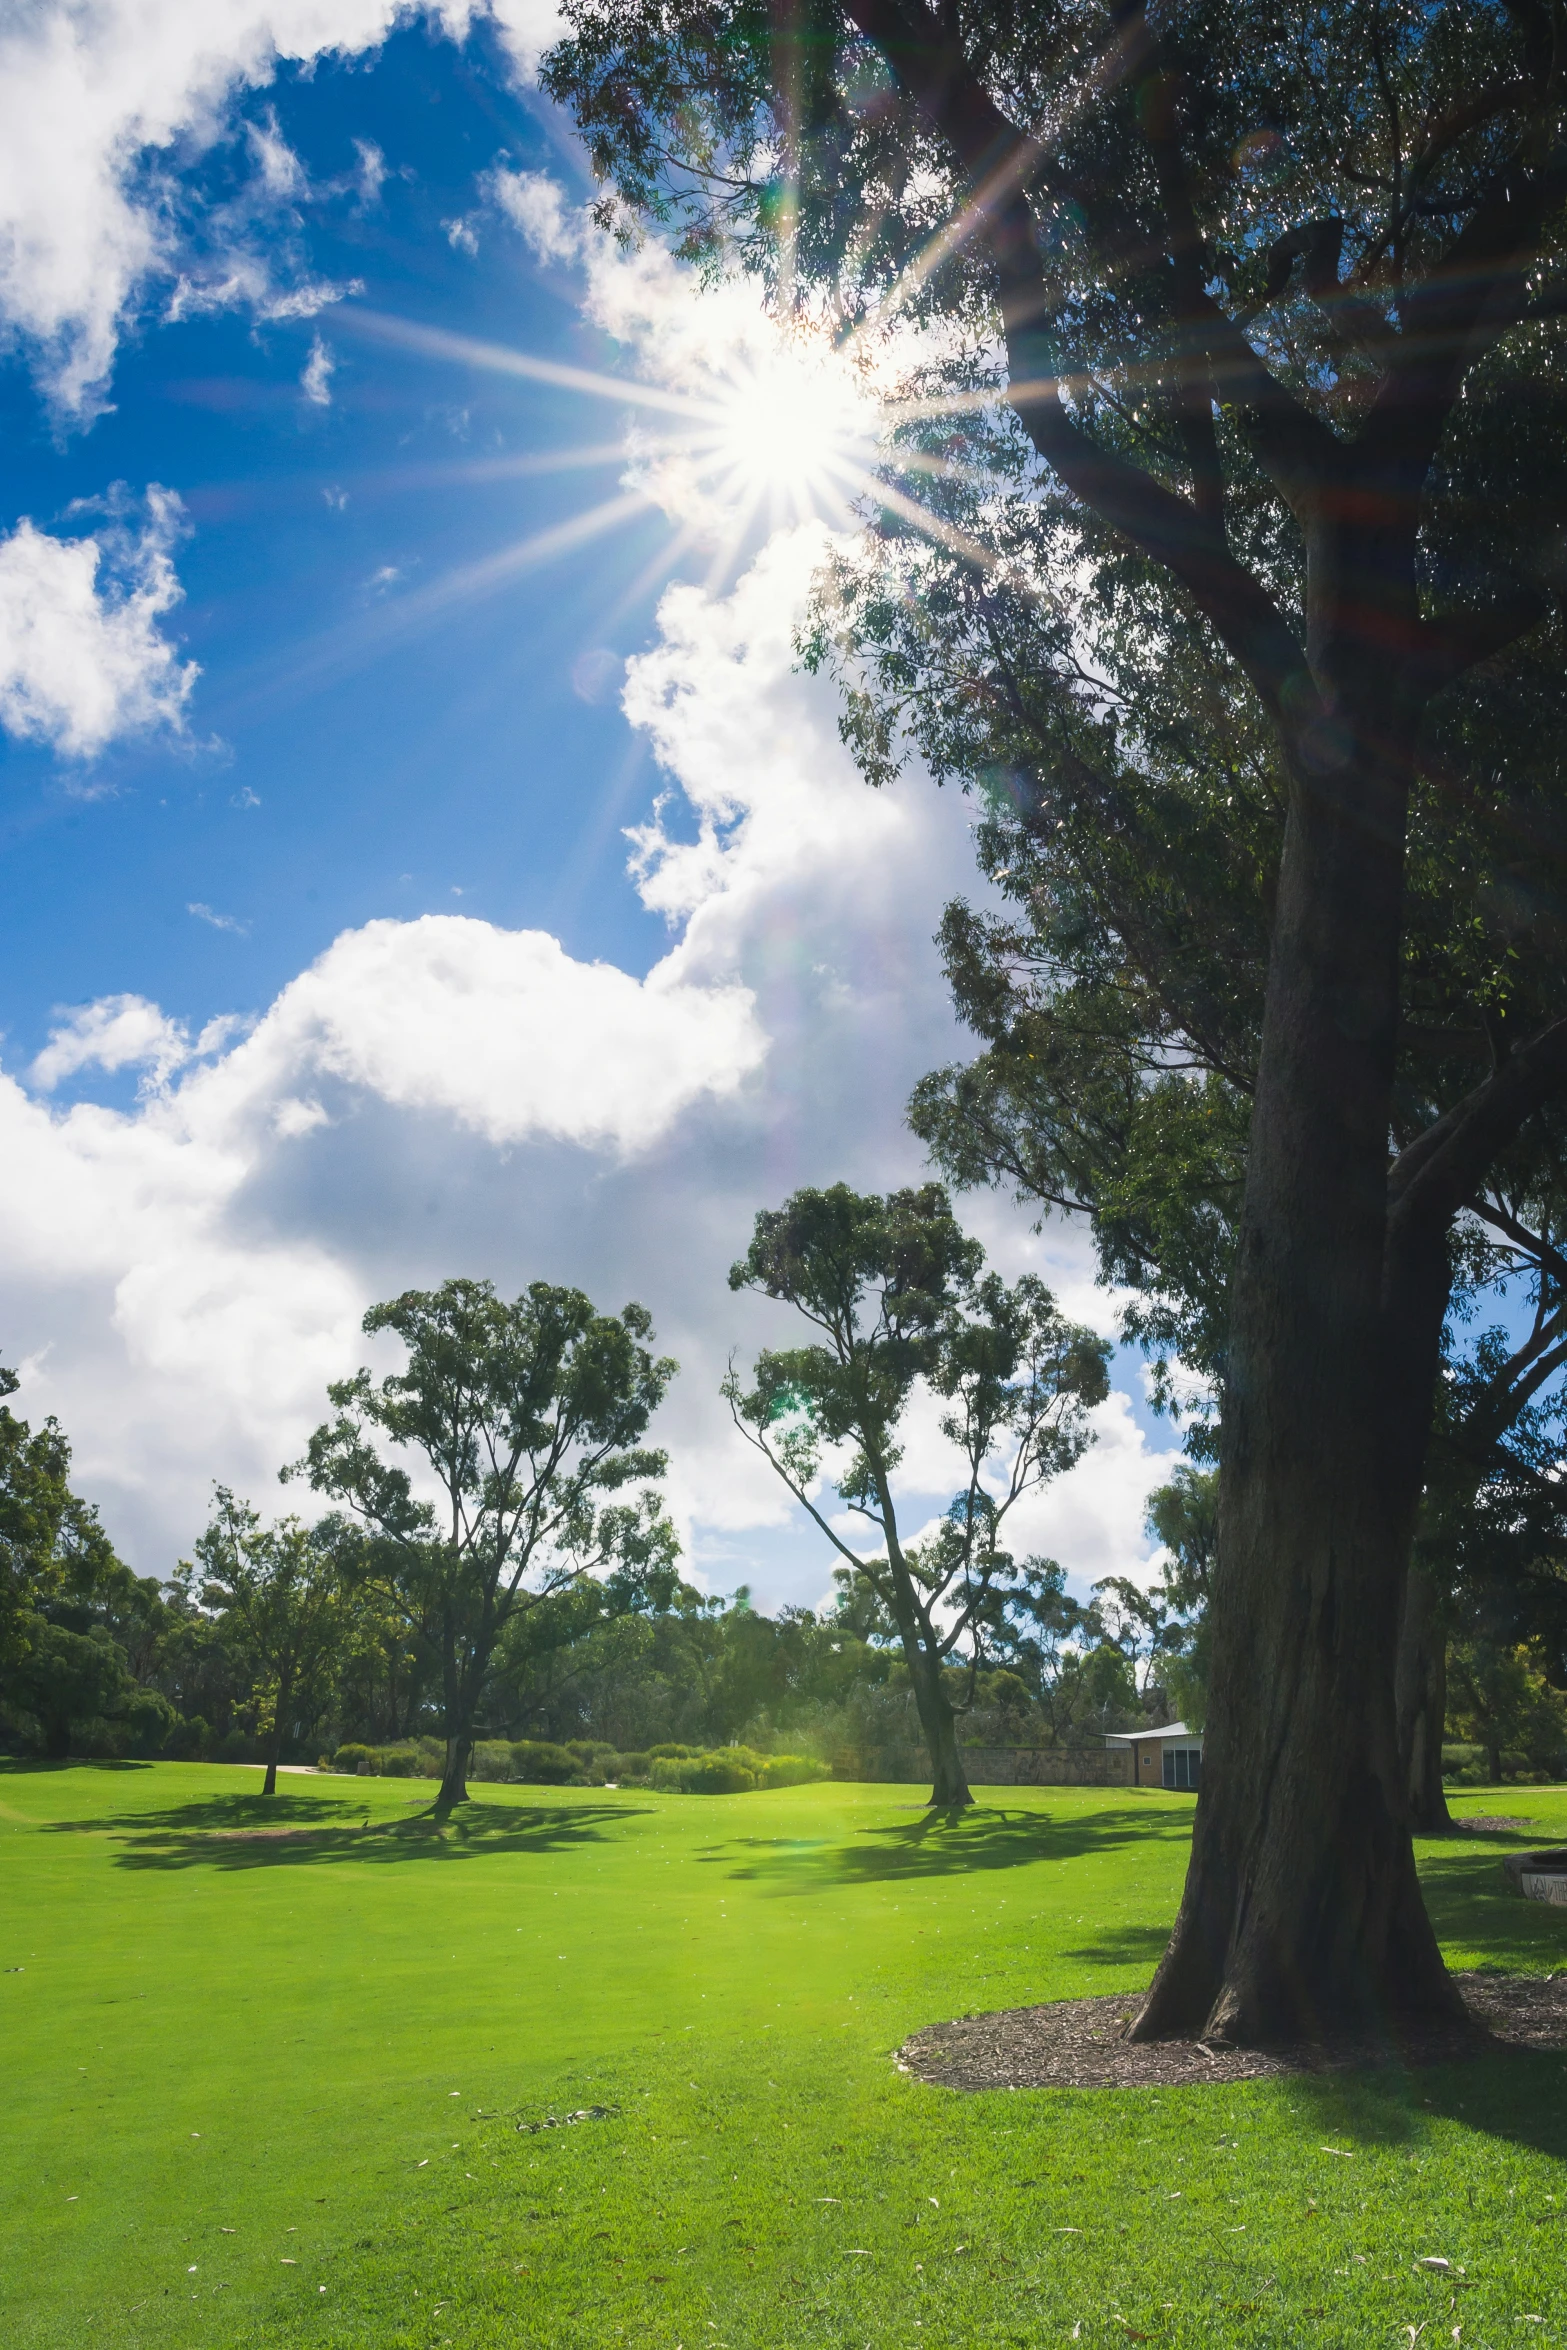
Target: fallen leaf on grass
[
  {"x": 1343, "y": 2152},
  {"x": 285, "y": 2260},
  {"x": 1435, "y": 2260},
  {"x": 1068, "y": 2231}
]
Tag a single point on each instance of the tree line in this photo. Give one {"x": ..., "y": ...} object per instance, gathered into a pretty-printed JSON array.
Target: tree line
[{"x": 496, "y": 1560}]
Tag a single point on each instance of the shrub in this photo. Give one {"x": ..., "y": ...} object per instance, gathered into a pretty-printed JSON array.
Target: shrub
[
  {"x": 630, "y": 1766},
  {"x": 536, "y": 1763},
  {"x": 729, "y": 1770},
  {"x": 793, "y": 1770},
  {"x": 411, "y": 1758},
  {"x": 701, "y": 1774}
]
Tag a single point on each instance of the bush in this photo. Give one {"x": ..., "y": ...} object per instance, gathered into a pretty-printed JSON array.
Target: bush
[
  {"x": 536, "y": 1763},
  {"x": 700, "y": 1774},
  {"x": 412, "y": 1758},
  {"x": 729, "y": 1770},
  {"x": 630, "y": 1766},
  {"x": 793, "y": 1770}
]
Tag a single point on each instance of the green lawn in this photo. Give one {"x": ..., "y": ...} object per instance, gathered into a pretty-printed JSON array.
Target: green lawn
[{"x": 232, "y": 2069}]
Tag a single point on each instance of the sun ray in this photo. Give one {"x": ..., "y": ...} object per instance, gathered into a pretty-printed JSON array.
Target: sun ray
[
  {"x": 501, "y": 359},
  {"x": 371, "y": 634}
]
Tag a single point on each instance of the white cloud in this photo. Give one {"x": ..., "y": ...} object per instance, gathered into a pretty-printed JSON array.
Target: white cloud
[
  {"x": 535, "y": 204},
  {"x": 215, "y": 921},
  {"x": 103, "y": 102},
  {"x": 117, "y": 1032},
  {"x": 316, "y": 381},
  {"x": 82, "y": 656}
]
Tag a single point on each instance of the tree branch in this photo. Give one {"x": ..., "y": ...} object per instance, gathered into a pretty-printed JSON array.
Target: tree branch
[
  {"x": 1001, "y": 162},
  {"x": 1441, "y": 1171}
]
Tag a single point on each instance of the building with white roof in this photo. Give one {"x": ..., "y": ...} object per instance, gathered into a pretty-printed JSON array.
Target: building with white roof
[{"x": 1167, "y": 1757}]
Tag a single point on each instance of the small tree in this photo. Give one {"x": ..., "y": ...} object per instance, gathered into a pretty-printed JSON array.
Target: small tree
[
  {"x": 523, "y": 1415},
  {"x": 282, "y": 1590},
  {"x": 897, "y": 1295}
]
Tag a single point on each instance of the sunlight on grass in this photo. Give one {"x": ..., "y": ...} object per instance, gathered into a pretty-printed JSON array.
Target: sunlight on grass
[{"x": 239, "y": 2038}]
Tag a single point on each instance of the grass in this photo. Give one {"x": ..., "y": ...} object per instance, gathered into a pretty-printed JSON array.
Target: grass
[{"x": 233, "y": 2063}]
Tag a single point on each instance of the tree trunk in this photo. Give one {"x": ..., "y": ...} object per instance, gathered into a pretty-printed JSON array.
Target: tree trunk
[
  {"x": 274, "y": 1746},
  {"x": 454, "y": 1777},
  {"x": 1493, "y": 1764},
  {"x": 949, "y": 1782},
  {"x": 1302, "y": 1913},
  {"x": 1420, "y": 1692},
  {"x": 57, "y": 1738}
]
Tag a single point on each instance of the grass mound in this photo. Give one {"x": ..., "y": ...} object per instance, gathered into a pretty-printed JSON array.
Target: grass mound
[{"x": 239, "y": 2034}]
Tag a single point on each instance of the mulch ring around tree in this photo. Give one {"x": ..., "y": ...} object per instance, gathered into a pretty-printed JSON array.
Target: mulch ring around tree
[{"x": 1079, "y": 2043}]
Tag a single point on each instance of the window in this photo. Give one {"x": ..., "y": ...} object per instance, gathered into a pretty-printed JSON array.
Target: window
[{"x": 1183, "y": 1768}]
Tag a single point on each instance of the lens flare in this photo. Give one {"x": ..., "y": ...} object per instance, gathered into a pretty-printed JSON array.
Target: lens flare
[{"x": 789, "y": 426}]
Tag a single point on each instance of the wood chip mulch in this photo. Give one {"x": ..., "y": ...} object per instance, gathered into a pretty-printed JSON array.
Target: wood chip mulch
[
  {"x": 1492, "y": 1824},
  {"x": 1078, "y": 2044}
]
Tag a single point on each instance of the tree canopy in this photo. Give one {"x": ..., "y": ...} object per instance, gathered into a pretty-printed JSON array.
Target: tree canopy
[{"x": 523, "y": 1416}]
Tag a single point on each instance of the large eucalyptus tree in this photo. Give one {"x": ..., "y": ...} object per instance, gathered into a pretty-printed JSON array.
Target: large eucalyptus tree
[{"x": 1264, "y": 288}]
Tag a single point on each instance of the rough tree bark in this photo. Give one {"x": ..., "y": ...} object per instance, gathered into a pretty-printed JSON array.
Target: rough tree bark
[{"x": 1420, "y": 1697}]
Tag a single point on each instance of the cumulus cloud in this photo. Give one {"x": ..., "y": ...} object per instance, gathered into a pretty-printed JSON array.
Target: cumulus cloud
[
  {"x": 117, "y": 1032},
  {"x": 103, "y": 102},
  {"x": 83, "y": 658}
]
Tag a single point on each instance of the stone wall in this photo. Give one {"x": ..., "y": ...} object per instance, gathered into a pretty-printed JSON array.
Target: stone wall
[{"x": 1048, "y": 1766}]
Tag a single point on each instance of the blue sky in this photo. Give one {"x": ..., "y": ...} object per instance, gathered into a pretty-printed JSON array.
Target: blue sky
[
  {"x": 356, "y": 769},
  {"x": 410, "y": 870}
]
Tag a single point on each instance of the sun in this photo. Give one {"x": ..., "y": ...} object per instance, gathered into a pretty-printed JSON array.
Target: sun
[{"x": 793, "y": 427}]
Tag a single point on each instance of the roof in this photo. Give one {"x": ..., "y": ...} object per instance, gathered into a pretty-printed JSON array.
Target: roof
[{"x": 1136, "y": 1737}]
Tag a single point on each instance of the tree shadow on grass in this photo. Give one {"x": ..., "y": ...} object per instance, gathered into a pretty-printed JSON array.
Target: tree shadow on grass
[
  {"x": 1473, "y": 1907},
  {"x": 251, "y": 1831},
  {"x": 1511, "y": 2093},
  {"x": 942, "y": 1844},
  {"x": 1124, "y": 1946}
]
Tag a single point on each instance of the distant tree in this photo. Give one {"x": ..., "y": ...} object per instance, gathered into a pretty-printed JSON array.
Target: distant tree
[
  {"x": 524, "y": 1415},
  {"x": 1138, "y": 1624},
  {"x": 897, "y": 1295},
  {"x": 1498, "y": 1697},
  {"x": 1184, "y": 1517},
  {"x": 52, "y": 1545},
  {"x": 281, "y": 1593},
  {"x": 57, "y": 1663}
]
